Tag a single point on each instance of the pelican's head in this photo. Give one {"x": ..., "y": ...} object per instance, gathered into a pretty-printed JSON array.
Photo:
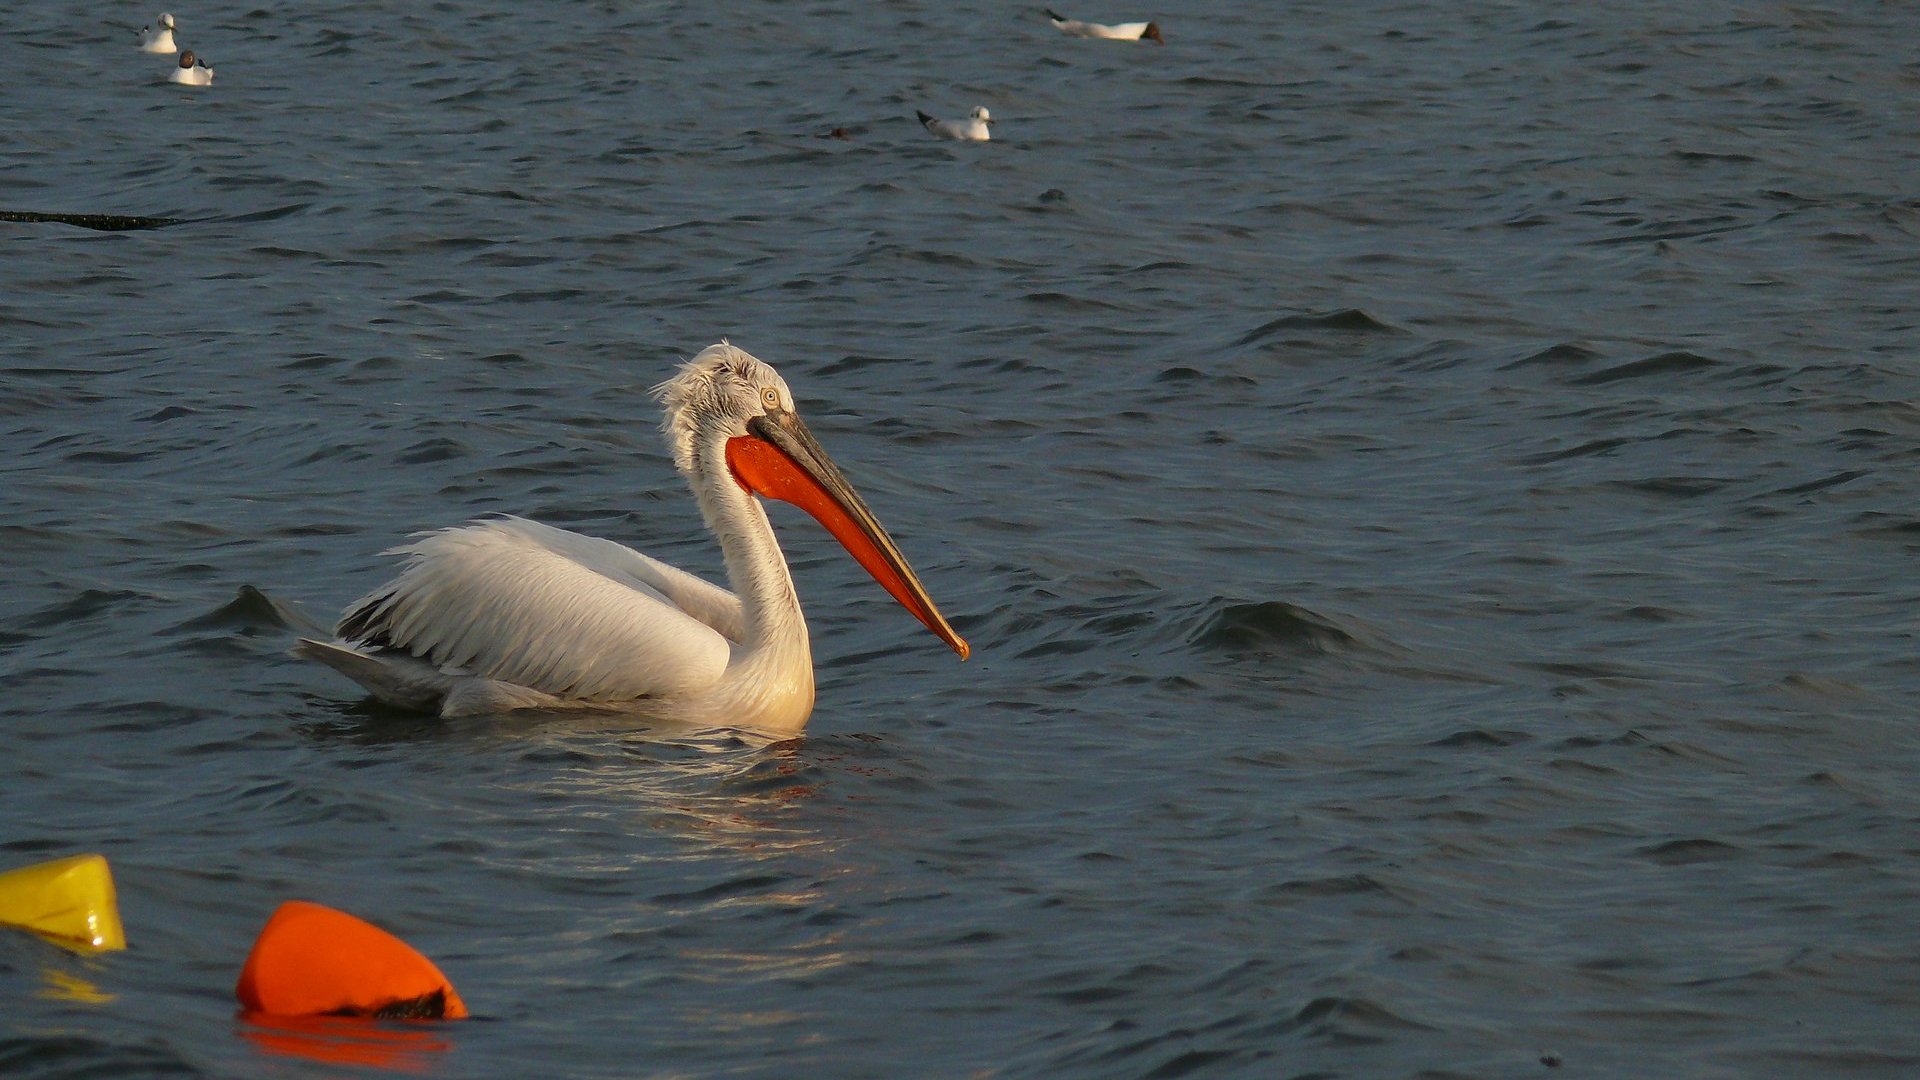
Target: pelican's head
[
  {"x": 712, "y": 399},
  {"x": 981, "y": 114},
  {"x": 726, "y": 405},
  {"x": 1152, "y": 33},
  {"x": 186, "y": 59},
  {"x": 165, "y": 21}
]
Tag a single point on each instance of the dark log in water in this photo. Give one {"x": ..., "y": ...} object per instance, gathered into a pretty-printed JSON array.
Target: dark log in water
[{"x": 102, "y": 222}]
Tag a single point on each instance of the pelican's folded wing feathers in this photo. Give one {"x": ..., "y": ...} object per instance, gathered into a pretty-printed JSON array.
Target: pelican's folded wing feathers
[
  {"x": 553, "y": 611},
  {"x": 693, "y": 595}
]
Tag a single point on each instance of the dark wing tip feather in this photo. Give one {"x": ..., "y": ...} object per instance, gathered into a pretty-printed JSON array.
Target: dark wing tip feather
[{"x": 366, "y": 624}]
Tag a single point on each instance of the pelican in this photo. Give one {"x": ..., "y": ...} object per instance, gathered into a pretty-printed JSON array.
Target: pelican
[
  {"x": 972, "y": 129},
  {"x": 158, "y": 38},
  {"x": 1133, "y": 31},
  {"x": 506, "y": 613}
]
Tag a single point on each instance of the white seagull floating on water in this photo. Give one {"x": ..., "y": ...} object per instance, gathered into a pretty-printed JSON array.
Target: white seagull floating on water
[
  {"x": 507, "y": 613},
  {"x": 972, "y": 129},
  {"x": 1133, "y": 31},
  {"x": 158, "y": 38},
  {"x": 192, "y": 71}
]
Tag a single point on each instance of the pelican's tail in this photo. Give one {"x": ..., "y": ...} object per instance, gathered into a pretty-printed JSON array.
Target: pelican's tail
[
  {"x": 393, "y": 677},
  {"x": 409, "y": 682}
]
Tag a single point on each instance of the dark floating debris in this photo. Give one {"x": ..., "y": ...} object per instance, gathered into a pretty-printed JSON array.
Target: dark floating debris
[{"x": 102, "y": 222}]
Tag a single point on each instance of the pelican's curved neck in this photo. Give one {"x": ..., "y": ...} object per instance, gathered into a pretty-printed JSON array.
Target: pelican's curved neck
[{"x": 756, "y": 569}]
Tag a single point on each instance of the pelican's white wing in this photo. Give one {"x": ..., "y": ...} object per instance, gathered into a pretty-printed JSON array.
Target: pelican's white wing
[
  {"x": 554, "y": 611},
  {"x": 696, "y": 596}
]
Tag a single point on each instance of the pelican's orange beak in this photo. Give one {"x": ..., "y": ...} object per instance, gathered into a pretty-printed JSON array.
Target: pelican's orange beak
[{"x": 779, "y": 458}]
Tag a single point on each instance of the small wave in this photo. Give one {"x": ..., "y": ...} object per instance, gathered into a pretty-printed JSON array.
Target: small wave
[
  {"x": 1689, "y": 851},
  {"x": 271, "y": 214},
  {"x": 1482, "y": 737},
  {"x": 1065, "y": 302},
  {"x": 106, "y": 457},
  {"x": 1845, "y": 476},
  {"x": 1219, "y": 80},
  {"x": 1696, "y": 157},
  {"x": 1819, "y": 687},
  {"x": 1342, "y": 320},
  {"x": 1339, "y": 885},
  {"x": 254, "y": 609},
  {"x": 859, "y": 363},
  {"x": 1586, "y": 449},
  {"x": 1678, "y": 362},
  {"x": 87, "y": 604},
  {"x": 30, "y": 1056},
  {"x": 170, "y": 412},
  {"x": 427, "y": 451},
  {"x": 1339, "y": 1016},
  {"x": 1565, "y": 354},
  {"x": 1676, "y": 487},
  {"x": 1183, "y": 374},
  {"x": 539, "y": 296},
  {"x": 1270, "y": 627},
  {"x": 723, "y": 890},
  {"x": 274, "y": 252}
]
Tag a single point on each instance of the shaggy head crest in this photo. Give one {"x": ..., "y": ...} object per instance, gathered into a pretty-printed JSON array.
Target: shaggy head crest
[{"x": 715, "y": 394}]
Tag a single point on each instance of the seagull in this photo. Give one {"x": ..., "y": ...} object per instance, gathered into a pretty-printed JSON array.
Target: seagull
[
  {"x": 1133, "y": 31},
  {"x": 192, "y": 71},
  {"x": 506, "y": 613},
  {"x": 973, "y": 128},
  {"x": 158, "y": 38}
]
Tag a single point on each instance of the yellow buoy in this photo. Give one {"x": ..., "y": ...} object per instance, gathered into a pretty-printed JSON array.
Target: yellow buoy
[{"x": 70, "y": 900}]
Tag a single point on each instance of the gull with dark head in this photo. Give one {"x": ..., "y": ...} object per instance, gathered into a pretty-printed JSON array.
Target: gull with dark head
[
  {"x": 191, "y": 71},
  {"x": 507, "y": 613}
]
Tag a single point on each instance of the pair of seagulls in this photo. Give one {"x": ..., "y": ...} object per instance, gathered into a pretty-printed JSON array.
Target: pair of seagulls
[
  {"x": 158, "y": 38},
  {"x": 974, "y": 127}
]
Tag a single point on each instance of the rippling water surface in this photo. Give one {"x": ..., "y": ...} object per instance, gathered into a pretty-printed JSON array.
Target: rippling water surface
[{"x": 1431, "y": 488}]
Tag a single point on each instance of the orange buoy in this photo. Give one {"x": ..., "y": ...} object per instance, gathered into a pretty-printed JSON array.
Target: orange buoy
[
  {"x": 311, "y": 960},
  {"x": 70, "y": 901}
]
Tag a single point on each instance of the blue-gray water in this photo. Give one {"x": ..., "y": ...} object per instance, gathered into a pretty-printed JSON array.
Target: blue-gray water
[{"x": 1431, "y": 487}]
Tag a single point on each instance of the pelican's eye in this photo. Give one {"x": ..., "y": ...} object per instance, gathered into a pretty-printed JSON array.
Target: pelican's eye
[{"x": 771, "y": 397}]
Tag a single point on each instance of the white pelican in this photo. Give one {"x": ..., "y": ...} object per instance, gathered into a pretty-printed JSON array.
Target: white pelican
[
  {"x": 158, "y": 38},
  {"x": 192, "y": 71},
  {"x": 1133, "y": 31},
  {"x": 508, "y": 613},
  {"x": 972, "y": 129}
]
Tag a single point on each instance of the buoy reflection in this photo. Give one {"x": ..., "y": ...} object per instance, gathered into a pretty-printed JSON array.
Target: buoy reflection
[{"x": 345, "y": 1040}]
